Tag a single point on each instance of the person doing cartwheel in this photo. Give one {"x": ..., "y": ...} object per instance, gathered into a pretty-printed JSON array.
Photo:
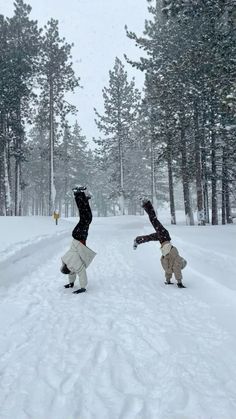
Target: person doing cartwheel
[{"x": 171, "y": 261}]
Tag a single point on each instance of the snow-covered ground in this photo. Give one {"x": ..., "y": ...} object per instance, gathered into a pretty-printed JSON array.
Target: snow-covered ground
[{"x": 128, "y": 348}]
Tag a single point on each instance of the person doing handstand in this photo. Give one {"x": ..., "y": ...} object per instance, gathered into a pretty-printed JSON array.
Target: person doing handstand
[{"x": 79, "y": 256}]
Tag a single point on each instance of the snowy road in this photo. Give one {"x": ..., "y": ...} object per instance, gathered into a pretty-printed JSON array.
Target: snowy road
[{"x": 129, "y": 348}]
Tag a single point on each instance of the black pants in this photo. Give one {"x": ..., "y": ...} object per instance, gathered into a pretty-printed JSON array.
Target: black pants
[
  {"x": 162, "y": 233},
  {"x": 80, "y": 231}
]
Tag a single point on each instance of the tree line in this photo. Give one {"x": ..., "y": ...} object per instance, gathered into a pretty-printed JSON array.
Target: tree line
[
  {"x": 36, "y": 73},
  {"x": 174, "y": 141},
  {"x": 185, "y": 121}
]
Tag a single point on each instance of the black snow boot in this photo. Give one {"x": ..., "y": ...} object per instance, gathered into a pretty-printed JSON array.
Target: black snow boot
[
  {"x": 78, "y": 189},
  {"x": 169, "y": 283},
  {"x": 79, "y": 291},
  {"x": 70, "y": 285},
  {"x": 180, "y": 285}
]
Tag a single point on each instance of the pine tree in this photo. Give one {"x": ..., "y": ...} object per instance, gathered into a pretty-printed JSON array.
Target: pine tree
[
  {"x": 120, "y": 111},
  {"x": 36, "y": 167},
  {"x": 5, "y": 194},
  {"x": 168, "y": 96},
  {"x": 190, "y": 61},
  {"x": 74, "y": 166},
  {"x": 140, "y": 175},
  {"x": 56, "y": 78},
  {"x": 79, "y": 157},
  {"x": 18, "y": 69}
]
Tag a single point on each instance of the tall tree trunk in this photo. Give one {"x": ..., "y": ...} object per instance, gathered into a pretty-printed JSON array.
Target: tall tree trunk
[
  {"x": 8, "y": 210},
  {"x": 214, "y": 218},
  {"x": 121, "y": 162},
  {"x": 170, "y": 181},
  {"x": 66, "y": 176},
  {"x": 204, "y": 170},
  {"x": 6, "y": 190},
  {"x": 51, "y": 152},
  {"x": 223, "y": 187},
  {"x": 42, "y": 173},
  {"x": 229, "y": 218},
  {"x": 185, "y": 179},
  {"x": 200, "y": 209},
  {"x": 2, "y": 171},
  {"x": 18, "y": 157},
  {"x": 17, "y": 185},
  {"x": 153, "y": 171}
]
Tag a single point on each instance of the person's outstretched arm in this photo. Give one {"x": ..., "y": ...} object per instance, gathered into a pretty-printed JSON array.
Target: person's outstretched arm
[{"x": 145, "y": 239}]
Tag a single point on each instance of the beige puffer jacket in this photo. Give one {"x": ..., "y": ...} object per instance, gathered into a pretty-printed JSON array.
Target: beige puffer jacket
[
  {"x": 78, "y": 256},
  {"x": 173, "y": 263}
]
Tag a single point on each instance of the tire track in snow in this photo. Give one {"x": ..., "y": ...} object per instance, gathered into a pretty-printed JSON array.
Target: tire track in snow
[{"x": 24, "y": 261}]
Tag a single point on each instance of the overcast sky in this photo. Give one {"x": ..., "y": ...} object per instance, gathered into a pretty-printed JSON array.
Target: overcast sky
[{"x": 96, "y": 27}]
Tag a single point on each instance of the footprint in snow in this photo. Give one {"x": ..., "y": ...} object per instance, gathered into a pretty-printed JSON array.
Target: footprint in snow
[
  {"x": 100, "y": 354},
  {"x": 132, "y": 408}
]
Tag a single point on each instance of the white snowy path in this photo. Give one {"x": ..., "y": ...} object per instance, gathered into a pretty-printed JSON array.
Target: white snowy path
[{"x": 129, "y": 348}]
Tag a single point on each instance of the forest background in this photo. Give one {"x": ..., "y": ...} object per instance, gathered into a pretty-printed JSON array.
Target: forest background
[{"x": 173, "y": 140}]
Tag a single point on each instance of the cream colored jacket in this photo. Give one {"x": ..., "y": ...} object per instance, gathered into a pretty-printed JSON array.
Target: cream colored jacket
[
  {"x": 78, "y": 256},
  {"x": 173, "y": 263}
]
